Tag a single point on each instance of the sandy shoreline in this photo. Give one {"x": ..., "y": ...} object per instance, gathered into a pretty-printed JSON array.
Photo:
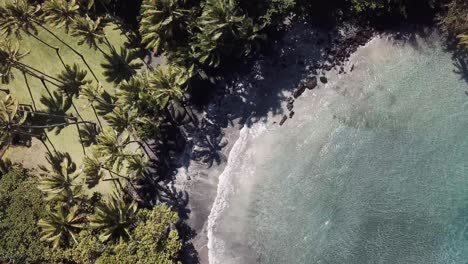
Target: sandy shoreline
[{"x": 263, "y": 94}]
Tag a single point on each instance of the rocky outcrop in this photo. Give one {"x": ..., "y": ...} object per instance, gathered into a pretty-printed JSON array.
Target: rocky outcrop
[
  {"x": 299, "y": 90},
  {"x": 311, "y": 83},
  {"x": 283, "y": 120},
  {"x": 323, "y": 79}
]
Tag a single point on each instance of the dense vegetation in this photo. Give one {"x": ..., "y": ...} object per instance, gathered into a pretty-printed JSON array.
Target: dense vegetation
[{"x": 141, "y": 112}]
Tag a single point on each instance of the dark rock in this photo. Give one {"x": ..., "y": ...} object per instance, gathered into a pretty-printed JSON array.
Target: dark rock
[
  {"x": 283, "y": 120},
  {"x": 312, "y": 83},
  {"x": 290, "y": 100},
  {"x": 290, "y": 106},
  {"x": 299, "y": 90},
  {"x": 291, "y": 114},
  {"x": 328, "y": 67},
  {"x": 352, "y": 67},
  {"x": 323, "y": 79}
]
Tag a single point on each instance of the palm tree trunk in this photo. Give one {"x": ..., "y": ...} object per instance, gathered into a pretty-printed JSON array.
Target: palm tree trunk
[
  {"x": 97, "y": 116},
  {"x": 48, "y": 139},
  {"x": 191, "y": 115},
  {"x": 70, "y": 47},
  {"x": 24, "y": 67},
  {"x": 47, "y": 88},
  {"x": 57, "y": 49},
  {"x": 81, "y": 138},
  {"x": 30, "y": 92}
]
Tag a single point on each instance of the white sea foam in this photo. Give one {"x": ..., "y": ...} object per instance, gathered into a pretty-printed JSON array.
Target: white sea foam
[{"x": 226, "y": 187}]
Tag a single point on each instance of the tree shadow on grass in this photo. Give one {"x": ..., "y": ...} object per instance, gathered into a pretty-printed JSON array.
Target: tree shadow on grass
[{"x": 121, "y": 65}]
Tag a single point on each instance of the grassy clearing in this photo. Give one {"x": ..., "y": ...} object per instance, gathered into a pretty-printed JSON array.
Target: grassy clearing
[{"x": 46, "y": 60}]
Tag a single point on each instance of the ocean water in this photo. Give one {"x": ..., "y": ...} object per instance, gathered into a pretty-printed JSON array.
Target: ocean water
[{"x": 372, "y": 169}]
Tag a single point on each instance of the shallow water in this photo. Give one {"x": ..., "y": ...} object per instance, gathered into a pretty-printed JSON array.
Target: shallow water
[{"x": 372, "y": 169}]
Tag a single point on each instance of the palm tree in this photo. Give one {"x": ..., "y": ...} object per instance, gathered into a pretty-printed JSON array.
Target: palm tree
[
  {"x": 89, "y": 133},
  {"x": 131, "y": 93},
  {"x": 16, "y": 18},
  {"x": 19, "y": 16},
  {"x": 92, "y": 93},
  {"x": 10, "y": 119},
  {"x": 114, "y": 218},
  {"x": 163, "y": 24},
  {"x": 10, "y": 57},
  {"x": 60, "y": 13},
  {"x": 111, "y": 147},
  {"x": 73, "y": 78},
  {"x": 60, "y": 225},
  {"x": 224, "y": 31},
  {"x": 90, "y": 31},
  {"x": 169, "y": 83},
  {"x": 60, "y": 183},
  {"x": 137, "y": 165}
]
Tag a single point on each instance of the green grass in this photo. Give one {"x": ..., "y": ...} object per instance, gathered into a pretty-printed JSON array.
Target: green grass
[{"x": 46, "y": 60}]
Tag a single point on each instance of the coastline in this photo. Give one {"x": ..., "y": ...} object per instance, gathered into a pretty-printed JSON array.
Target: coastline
[{"x": 267, "y": 94}]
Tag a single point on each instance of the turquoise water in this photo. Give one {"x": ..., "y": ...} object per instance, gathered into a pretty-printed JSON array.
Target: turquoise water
[{"x": 372, "y": 170}]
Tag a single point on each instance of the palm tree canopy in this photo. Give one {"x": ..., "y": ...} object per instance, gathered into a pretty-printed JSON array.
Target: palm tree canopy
[
  {"x": 60, "y": 225},
  {"x": 92, "y": 169},
  {"x": 114, "y": 218},
  {"x": 136, "y": 165},
  {"x": 91, "y": 91},
  {"x": 10, "y": 117},
  {"x": 121, "y": 119},
  {"x": 18, "y": 16},
  {"x": 10, "y": 56},
  {"x": 89, "y": 31},
  {"x": 60, "y": 183},
  {"x": 225, "y": 31},
  {"x": 130, "y": 92},
  {"x": 161, "y": 23},
  {"x": 168, "y": 83},
  {"x": 111, "y": 148},
  {"x": 60, "y": 13}
]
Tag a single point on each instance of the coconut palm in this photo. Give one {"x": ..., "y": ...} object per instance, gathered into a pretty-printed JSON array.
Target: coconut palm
[
  {"x": 57, "y": 105},
  {"x": 163, "y": 24},
  {"x": 111, "y": 148},
  {"x": 137, "y": 165},
  {"x": 60, "y": 182},
  {"x": 17, "y": 17},
  {"x": 121, "y": 120},
  {"x": 92, "y": 93},
  {"x": 60, "y": 13},
  {"x": 89, "y": 134},
  {"x": 60, "y": 225},
  {"x": 10, "y": 57},
  {"x": 114, "y": 218},
  {"x": 10, "y": 119},
  {"x": 92, "y": 169},
  {"x": 73, "y": 77},
  {"x": 90, "y": 31},
  {"x": 131, "y": 93},
  {"x": 224, "y": 31},
  {"x": 168, "y": 83}
]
